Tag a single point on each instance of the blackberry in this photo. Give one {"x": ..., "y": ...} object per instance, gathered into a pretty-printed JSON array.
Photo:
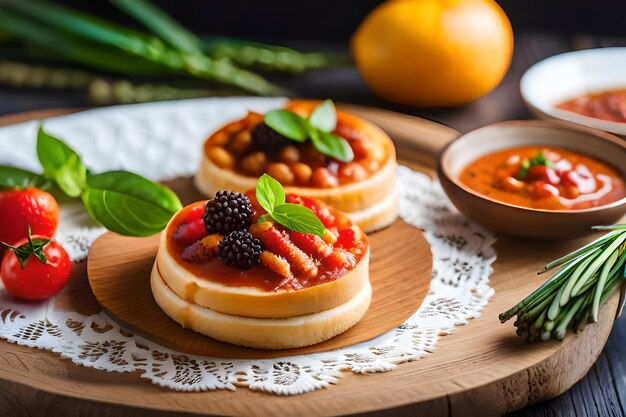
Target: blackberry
[
  {"x": 240, "y": 250},
  {"x": 227, "y": 212},
  {"x": 266, "y": 139}
]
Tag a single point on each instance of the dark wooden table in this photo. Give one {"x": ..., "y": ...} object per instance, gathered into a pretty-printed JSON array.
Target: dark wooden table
[{"x": 603, "y": 391}]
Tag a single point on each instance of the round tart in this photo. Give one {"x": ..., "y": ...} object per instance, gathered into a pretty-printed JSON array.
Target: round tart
[
  {"x": 364, "y": 187},
  {"x": 261, "y": 284}
]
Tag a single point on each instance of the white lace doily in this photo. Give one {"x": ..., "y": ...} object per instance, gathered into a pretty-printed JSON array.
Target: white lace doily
[{"x": 162, "y": 141}]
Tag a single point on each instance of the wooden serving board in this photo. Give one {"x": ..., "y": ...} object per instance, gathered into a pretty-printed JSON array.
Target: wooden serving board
[
  {"x": 482, "y": 369},
  {"x": 119, "y": 275}
]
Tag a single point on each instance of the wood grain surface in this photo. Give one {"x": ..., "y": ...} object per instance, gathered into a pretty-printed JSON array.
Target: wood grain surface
[
  {"x": 119, "y": 275},
  {"x": 482, "y": 369}
]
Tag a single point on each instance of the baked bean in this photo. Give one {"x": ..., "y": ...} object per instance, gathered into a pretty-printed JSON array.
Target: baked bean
[
  {"x": 352, "y": 172},
  {"x": 241, "y": 141},
  {"x": 221, "y": 157},
  {"x": 221, "y": 138},
  {"x": 322, "y": 177},
  {"x": 234, "y": 127},
  {"x": 281, "y": 173},
  {"x": 254, "y": 164},
  {"x": 302, "y": 173},
  {"x": 313, "y": 157},
  {"x": 289, "y": 154}
]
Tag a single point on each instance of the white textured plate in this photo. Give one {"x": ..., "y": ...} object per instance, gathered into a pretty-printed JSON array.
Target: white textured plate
[{"x": 572, "y": 74}]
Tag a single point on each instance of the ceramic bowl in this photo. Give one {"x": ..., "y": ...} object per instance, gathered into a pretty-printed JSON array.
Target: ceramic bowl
[
  {"x": 521, "y": 221},
  {"x": 566, "y": 76}
]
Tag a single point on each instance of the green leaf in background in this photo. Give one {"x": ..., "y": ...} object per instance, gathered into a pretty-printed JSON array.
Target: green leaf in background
[
  {"x": 161, "y": 24},
  {"x": 16, "y": 178},
  {"x": 58, "y": 45},
  {"x": 299, "y": 219},
  {"x": 61, "y": 164},
  {"x": 269, "y": 193},
  {"x": 324, "y": 116},
  {"x": 129, "y": 204},
  {"x": 288, "y": 124},
  {"x": 267, "y": 57},
  {"x": 332, "y": 145},
  {"x": 88, "y": 33},
  {"x": 90, "y": 27}
]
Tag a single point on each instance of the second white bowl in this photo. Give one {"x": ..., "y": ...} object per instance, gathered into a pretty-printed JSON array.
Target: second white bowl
[{"x": 566, "y": 76}]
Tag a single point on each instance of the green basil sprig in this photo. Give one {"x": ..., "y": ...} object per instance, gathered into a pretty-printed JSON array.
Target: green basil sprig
[
  {"x": 128, "y": 203},
  {"x": 123, "y": 202},
  {"x": 318, "y": 127},
  {"x": 16, "y": 178},
  {"x": 61, "y": 164},
  {"x": 271, "y": 196}
]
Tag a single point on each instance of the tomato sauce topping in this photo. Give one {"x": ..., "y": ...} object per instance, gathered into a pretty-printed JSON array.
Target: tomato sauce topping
[
  {"x": 304, "y": 252},
  {"x": 544, "y": 178},
  {"x": 606, "y": 105}
]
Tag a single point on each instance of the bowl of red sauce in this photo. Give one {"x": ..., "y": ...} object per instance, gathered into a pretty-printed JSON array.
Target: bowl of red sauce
[
  {"x": 536, "y": 178},
  {"x": 587, "y": 87}
]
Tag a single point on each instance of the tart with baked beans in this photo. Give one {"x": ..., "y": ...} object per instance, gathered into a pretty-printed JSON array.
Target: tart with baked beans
[
  {"x": 263, "y": 269},
  {"x": 312, "y": 150}
]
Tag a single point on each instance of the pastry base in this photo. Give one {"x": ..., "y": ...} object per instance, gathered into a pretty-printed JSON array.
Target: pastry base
[
  {"x": 261, "y": 333},
  {"x": 254, "y": 302}
]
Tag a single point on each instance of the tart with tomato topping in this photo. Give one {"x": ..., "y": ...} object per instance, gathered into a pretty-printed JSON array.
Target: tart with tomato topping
[
  {"x": 263, "y": 269},
  {"x": 313, "y": 151}
]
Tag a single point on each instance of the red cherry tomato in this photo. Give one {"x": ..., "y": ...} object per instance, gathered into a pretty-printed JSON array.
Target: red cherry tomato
[
  {"x": 37, "y": 280},
  {"x": 537, "y": 173},
  {"x": 20, "y": 208}
]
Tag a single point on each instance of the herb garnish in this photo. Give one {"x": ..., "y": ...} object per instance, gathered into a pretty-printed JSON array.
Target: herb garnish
[
  {"x": 121, "y": 201},
  {"x": 271, "y": 196},
  {"x": 573, "y": 295},
  {"x": 539, "y": 159},
  {"x": 318, "y": 127}
]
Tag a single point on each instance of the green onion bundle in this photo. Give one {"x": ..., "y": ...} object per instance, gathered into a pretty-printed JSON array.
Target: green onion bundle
[
  {"x": 51, "y": 31},
  {"x": 573, "y": 295}
]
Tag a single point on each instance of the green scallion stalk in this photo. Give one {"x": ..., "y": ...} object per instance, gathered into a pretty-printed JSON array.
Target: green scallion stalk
[
  {"x": 267, "y": 57},
  {"x": 574, "y": 294},
  {"x": 80, "y": 37},
  {"x": 161, "y": 24},
  {"x": 69, "y": 48}
]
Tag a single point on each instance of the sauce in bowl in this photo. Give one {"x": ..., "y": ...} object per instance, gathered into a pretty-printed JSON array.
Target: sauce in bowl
[
  {"x": 544, "y": 178},
  {"x": 607, "y": 105}
]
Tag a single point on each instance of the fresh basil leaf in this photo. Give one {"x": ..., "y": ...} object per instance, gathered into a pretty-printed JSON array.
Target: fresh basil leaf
[
  {"x": 299, "y": 219},
  {"x": 61, "y": 164},
  {"x": 332, "y": 145},
  {"x": 287, "y": 124},
  {"x": 324, "y": 117},
  {"x": 129, "y": 204},
  {"x": 17, "y": 178},
  {"x": 269, "y": 193}
]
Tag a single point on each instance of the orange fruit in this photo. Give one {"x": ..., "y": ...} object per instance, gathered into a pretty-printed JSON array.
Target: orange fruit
[{"x": 433, "y": 52}]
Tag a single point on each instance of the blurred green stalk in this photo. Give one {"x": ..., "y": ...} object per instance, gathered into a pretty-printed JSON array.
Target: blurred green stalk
[{"x": 60, "y": 22}]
